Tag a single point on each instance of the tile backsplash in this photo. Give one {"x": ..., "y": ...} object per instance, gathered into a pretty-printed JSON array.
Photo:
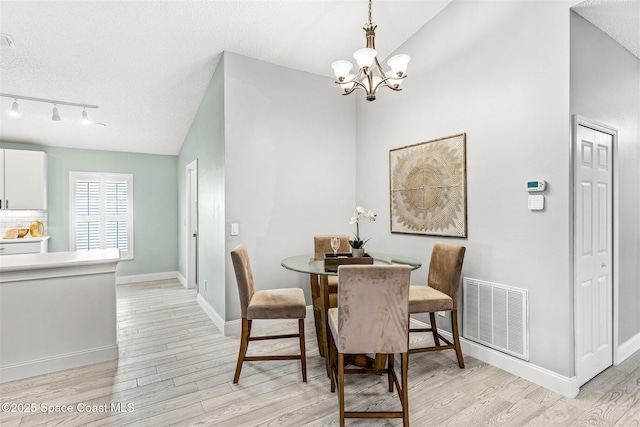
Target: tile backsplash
[{"x": 21, "y": 219}]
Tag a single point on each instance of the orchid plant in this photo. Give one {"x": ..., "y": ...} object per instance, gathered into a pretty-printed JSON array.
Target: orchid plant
[{"x": 359, "y": 214}]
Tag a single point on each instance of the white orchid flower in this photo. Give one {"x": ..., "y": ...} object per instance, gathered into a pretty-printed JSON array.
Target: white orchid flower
[
  {"x": 370, "y": 216},
  {"x": 360, "y": 212}
]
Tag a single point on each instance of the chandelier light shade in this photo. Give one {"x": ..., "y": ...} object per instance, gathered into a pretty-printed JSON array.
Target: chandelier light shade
[
  {"x": 56, "y": 114},
  {"x": 370, "y": 76}
]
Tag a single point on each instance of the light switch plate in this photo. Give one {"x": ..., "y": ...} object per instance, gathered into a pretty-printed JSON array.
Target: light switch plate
[{"x": 235, "y": 229}]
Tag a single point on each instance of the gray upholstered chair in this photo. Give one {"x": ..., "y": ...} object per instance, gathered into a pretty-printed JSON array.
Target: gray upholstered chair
[
  {"x": 372, "y": 317},
  {"x": 286, "y": 303},
  {"x": 440, "y": 294},
  {"x": 323, "y": 301}
]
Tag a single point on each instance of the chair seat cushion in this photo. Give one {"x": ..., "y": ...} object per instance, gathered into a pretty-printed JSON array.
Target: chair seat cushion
[
  {"x": 333, "y": 301},
  {"x": 424, "y": 299},
  {"x": 287, "y": 303}
]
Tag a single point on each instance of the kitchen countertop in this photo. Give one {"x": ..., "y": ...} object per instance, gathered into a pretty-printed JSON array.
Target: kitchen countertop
[
  {"x": 48, "y": 260},
  {"x": 25, "y": 239}
]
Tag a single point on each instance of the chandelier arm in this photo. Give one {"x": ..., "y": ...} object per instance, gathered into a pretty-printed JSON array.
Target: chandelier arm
[
  {"x": 379, "y": 67},
  {"x": 356, "y": 83}
]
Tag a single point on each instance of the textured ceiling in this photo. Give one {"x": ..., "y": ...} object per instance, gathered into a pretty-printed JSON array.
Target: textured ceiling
[
  {"x": 620, "y": 19},
  {"x": 147, "y": 63}
]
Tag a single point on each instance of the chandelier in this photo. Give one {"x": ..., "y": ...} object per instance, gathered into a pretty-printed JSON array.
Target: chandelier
[{"x": 368, "y": 62}]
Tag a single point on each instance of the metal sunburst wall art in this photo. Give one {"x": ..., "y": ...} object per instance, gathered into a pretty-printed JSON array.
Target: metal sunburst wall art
[{"x": 428, "y": 185}]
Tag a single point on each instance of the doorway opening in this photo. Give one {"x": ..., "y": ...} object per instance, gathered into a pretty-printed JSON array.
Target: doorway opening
[{"x": 192, "y": 224}]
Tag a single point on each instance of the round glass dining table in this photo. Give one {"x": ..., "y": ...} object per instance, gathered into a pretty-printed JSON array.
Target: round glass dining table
[
  {"x": 313, "y": 264},
  {"x": 309, "y": 264}
]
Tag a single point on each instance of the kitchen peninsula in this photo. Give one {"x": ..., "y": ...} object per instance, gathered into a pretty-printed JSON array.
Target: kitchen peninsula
[{"x": 57, "y": 311}]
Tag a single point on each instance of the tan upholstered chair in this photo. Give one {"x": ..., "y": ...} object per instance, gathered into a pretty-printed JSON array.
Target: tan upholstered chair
[
  {"x": 322, "y": 245},
  {"x": 268, "y": 304},
  {"x": 372, "y": 317},
  {"x": 441, "y": 294}
]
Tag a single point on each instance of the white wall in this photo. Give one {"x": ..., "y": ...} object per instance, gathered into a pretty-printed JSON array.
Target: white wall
[
  {"x": 498, "y": 71},
  {"x": 605, "y": 87},
  {"x": 289, "y": 161}
]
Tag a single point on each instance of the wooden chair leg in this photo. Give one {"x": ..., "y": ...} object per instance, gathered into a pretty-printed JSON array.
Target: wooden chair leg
[
  {"x": 390, "y": 368},
  {"x": 456, "y": 337},
  {"x": 404, "y": 393},
  {"x": 244, "y": 343},
  {"x": 332, "y": 362},
  {"x": 303, "y": 353},
  {"x": 341, "y": 386},
  {"x": 434, "y": 329}
]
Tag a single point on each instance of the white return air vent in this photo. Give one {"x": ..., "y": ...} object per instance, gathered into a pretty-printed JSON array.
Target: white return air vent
[{"x": 496, "y": 316}]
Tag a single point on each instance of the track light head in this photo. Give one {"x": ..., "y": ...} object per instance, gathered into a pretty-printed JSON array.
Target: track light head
[
  {"x": 85, "y": 118},
  {"x": 56, "y": 114},
  {"x": 15, "y": 111}
]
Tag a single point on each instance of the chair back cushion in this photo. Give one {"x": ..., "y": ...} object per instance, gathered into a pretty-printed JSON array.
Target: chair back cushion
[
  {"x": 322, "y": 245},
  {"x": 373, "y": 308},
  {"x": 445, "y": 268},
  {"x": 244, "y": 276}
]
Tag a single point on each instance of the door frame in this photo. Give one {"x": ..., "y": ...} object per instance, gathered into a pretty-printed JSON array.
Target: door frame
[
  {"x": 595, "y": 125},
  {"x": 191, "y": 253}
]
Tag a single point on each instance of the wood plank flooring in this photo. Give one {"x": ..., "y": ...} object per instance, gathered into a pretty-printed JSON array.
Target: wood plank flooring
[{"x": 175, "y": 368}]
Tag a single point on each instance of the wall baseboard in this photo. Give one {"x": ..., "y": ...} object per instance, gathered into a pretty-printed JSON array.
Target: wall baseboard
[
  {"x": 123, "y": 280},
  {"x": 182, "y": 279},
  {"x": 57, "y": 363},
  {"x": 566, "y": 386},
  {"x": 213, "y": 315},
  {"x": 627, "y": 348}
]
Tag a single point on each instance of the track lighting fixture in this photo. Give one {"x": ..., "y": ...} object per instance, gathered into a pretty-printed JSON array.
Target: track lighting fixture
[{"x": 56, "y": 114}]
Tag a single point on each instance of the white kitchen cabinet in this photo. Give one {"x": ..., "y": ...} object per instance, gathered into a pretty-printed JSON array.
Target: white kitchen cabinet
[{"x": 23, "y": 179}]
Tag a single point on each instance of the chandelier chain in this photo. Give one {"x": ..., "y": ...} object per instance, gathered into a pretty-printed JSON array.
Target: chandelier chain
[{"x": 369, "y": 12}]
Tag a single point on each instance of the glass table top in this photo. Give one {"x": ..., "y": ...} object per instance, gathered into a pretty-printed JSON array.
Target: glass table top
[{"x": 307, "y": 263}]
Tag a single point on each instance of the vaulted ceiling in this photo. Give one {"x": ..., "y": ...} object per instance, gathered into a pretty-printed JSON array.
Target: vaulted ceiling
[{"x": 146, "y": 64}]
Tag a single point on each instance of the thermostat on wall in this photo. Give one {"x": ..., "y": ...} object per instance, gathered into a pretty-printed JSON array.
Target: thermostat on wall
[{"x": 537, "y": 185}]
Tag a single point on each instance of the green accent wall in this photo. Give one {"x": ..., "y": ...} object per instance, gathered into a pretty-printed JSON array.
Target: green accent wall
[
  {"x": 154, "y": 201},
  {"x": 205, "y": 143}
]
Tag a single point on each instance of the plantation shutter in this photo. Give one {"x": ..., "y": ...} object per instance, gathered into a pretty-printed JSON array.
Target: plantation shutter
[
  {"x": 87, "y": 212},
  {"x": 101, "y": 212},
  {"x": 116, "y": 227}
]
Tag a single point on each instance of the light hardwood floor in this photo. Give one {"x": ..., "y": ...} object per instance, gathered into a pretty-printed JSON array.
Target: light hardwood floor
[{"x": 175, "y": 368}]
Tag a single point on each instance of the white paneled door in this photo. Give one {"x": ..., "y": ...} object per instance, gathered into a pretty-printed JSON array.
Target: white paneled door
[{"x": 593, "y": 252}]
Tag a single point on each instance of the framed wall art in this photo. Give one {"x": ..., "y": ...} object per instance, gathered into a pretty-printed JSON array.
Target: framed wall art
[{"x": 428, "y": 186}]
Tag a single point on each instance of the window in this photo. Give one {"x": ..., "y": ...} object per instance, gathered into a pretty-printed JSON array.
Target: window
[{"x": 101, "y": 212}]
